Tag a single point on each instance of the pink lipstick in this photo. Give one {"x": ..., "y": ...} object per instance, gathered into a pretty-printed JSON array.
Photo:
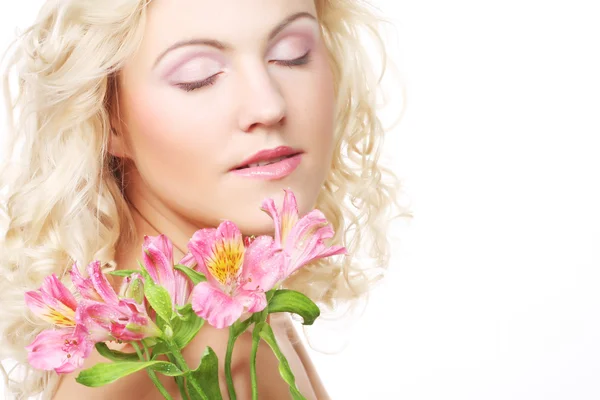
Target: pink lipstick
[{"x": 270, "y": 164}]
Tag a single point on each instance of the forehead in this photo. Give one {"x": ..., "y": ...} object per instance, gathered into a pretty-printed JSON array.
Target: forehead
[{"x": 226, "y": 20}]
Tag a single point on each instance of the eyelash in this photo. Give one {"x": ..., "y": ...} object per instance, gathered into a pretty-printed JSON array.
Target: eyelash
[{"x": 190, "y": 86}]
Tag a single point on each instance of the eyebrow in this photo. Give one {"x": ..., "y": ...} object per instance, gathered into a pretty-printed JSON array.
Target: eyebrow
[{"x": 223, "y": 46}]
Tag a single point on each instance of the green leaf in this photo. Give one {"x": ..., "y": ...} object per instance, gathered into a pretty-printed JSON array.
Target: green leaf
[
  {"x": 123, "y": 272},
  {"x": 105, "y": 373},
  {"x": 270, "y": 294},
  {"x": 159, "y": 349},
  {"x": 157, "y": 296},
  {"x": 185, "y": 310},
  {"x": 115, "y": 355},
  {"x": 150, "y": 341},
  {"x": 186, "y": 327},
  {"x": 206, "y": 376},
  {"x": 159, "y": 300},
  {"x": 147, "y": 278},
  {"x": 294, "y": 302},
  {"x": 266, "y": 333},
  {"x": 195, "y": 276}
]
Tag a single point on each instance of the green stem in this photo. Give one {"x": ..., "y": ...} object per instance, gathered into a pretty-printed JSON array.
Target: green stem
[
  {"x": 179, "y": 380},
  {"x": 152, "y": 374},
  {"x": 180, "y": 362},
  {"x": 146, "y": 351},
  {"x": 228, "y": 355},
  {"x": 255, "y": 343},
  {"x": 138, "y": 351}
]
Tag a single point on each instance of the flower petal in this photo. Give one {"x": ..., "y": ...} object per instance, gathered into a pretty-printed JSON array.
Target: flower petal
[
  {"x": 61, "y": 350},
  {"x": 188, "y": 260},
  {"x": 84, "y": 285},
  {"x": 251, "y": 300},
  {"x": 56, "y": 289},
  {"x": 311, "y": 249},
  {"x": 101, "y": 284},
  {"x": 219, "y": 309},
  {"x": 263, "y": 265},
  {"x": 200, "y": 246},
  {"x": 96, "y": 317},
  {"x": 307, "y": 226},
  {"x": 268, "y": 206},
  {"x": 158, "y": 260},
  {"x": 183, "y": 285},
  {"x": 289, "y": 214},
  {"x": 46, "y": 302},
  {"x": 138, "y": 327},
  {"x": 306, "y": 242}
]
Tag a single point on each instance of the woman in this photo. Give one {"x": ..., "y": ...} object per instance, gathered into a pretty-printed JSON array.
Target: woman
[{"x": 142, "y": 117}]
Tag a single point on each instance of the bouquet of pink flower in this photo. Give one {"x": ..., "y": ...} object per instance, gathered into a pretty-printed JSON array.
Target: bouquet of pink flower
[{"x": 161, "y": 307}]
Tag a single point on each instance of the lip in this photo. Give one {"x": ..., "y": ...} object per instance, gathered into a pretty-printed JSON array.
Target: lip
[
  {"x": 278, "y": 170},
  {"x": 268, "y": 154}
]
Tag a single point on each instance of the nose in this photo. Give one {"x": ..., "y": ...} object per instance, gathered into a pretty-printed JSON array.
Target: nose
[{"x": 262, "y": 101}]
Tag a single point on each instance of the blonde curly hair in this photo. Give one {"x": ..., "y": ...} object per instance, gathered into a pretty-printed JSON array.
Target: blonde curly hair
[{"x": 63, "y": 196}]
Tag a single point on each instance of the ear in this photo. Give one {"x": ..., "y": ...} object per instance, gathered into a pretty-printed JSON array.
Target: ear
[{"x": 116, "y": 144}]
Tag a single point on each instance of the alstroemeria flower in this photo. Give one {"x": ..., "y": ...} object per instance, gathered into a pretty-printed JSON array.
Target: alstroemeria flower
[
  {"x": 302, "y": 240},
  {"x": 104, "y": 314},
  {"x": 237, "y": 278},
  {"x": 64, "y": 349},
  {"x": 158, "y": 260},
  {"x": 61, "y": 350},
  {"x": 53, "y": 302}
]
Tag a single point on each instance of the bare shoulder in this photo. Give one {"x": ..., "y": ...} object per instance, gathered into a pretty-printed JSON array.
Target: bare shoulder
[{"x": 300, "y": 350}]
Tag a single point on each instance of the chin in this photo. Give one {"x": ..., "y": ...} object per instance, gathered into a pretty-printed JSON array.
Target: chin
[
  {"x": 257, "y": 224},
  {"x": 254, "y": 221}
]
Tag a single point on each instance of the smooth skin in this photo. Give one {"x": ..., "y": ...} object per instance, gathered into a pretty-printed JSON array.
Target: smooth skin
[{"x": 213, "y": 83}]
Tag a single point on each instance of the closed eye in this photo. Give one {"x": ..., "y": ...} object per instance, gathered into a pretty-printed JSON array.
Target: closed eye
[
  {"x": 305, "y": 59},
  {"x": 190, "y": 86}
]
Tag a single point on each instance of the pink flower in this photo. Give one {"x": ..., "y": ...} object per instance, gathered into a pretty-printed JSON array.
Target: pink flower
[
  {"x": 61, "y": 350},
  {"x": 104, "y": 314},
  {"x": 302, "y": 240},
  {"x": 53, "y": 302},
  {"x": 64, "y": 349},
  {"x": 158, "y": 260},
  {"x": 237, "y": 278}
]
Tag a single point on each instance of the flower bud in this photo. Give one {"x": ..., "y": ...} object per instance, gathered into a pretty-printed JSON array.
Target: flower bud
[
  {"x": 134, "y": 288},
  {"x": 144, "y": 327},
  {"x": 168, "y": 332}
]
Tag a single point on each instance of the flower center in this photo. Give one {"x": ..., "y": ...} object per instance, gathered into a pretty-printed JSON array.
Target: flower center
[
  {"x": 64, "y": 318},
  {"x": 226, "y": 262}
]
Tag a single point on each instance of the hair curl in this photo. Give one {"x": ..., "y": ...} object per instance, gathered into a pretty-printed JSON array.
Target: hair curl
[{"x": 59, "y": 181}]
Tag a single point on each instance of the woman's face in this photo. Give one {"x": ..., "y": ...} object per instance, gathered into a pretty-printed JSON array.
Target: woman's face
[{"x": 214, "y": 84}]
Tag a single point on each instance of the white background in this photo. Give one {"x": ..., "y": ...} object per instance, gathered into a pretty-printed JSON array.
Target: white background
[{"x": 493, "y": 288}]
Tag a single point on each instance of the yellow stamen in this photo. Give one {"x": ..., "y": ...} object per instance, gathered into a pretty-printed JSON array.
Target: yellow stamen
[
  {"x": 226, "y": 261},
  {"x": 66, "y": 318},
  {"x": 288, "y": 220}
]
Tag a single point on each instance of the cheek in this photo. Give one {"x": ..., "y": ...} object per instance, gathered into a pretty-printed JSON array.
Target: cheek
[
  {"x": 172, "y": 144},
  {"x": 317, "y": 108}
]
